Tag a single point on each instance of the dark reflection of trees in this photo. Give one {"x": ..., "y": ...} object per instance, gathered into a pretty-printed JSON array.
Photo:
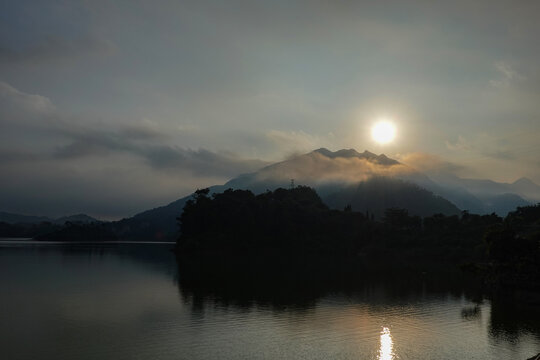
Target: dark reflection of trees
[
  {"x": 247, "y": 281},
  {"x": 287, "y": 282},
  {"x": 514, "y": 314},
  {"x": 471, "y": 312},
  {"x": 297, "y": 284},
  {"x": 157, "y": 256}
]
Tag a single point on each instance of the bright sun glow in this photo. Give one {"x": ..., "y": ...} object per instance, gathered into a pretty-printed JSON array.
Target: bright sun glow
[{"x": 383, "y": 132}]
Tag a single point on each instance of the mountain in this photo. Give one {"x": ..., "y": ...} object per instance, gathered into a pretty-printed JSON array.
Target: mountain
[
  {"x": 153, "y": 225},
  {"x": 365, "y": 181},
  {"x": 78, "y": 218},
  {"x": 526, "y": 188},
  {"x": 504, "y": 203},
  {"x": 491, "y": 196},
  {"x": 21, "y": 219},
  {"x": 323, "y": 170},
  {"x": 11, "y": 218},
  {"x": 380, "y": 193}
]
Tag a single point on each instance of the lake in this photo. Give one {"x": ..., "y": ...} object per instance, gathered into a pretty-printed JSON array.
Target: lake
[{"x": 134, "y": 301}]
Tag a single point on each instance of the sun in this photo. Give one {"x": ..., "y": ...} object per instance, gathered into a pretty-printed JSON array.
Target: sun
[{"x": 383, "y": 132}]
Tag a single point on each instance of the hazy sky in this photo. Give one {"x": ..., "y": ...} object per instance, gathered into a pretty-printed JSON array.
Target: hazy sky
[{"x": 112, "y": 107}]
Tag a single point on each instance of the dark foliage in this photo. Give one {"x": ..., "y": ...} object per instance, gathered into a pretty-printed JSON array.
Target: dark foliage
[
  {"x": 297, "y": 221},
  {"x": 290, "y": 220},
  {"x": 513, "y": 249},
  {"x": 27, "y": 230},
  {"x": 79, "y": 232}
]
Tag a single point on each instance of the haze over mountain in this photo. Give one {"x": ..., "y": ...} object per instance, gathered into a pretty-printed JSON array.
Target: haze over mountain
[
  {"x": 486, "y": 188},
  {"x": 324, "y": 169},
  {"x": 366, "y": 181}
]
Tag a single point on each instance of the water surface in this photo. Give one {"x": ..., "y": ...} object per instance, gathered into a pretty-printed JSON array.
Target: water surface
[{"x": 133, "y": 301}]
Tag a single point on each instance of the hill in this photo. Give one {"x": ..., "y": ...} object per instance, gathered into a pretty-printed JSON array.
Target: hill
[
  {"x": 365, "y": 181},
  {"x": 379, "y": 193},
  {"x": 10, "y": 218},
  {"x": 336, "y": 177}
]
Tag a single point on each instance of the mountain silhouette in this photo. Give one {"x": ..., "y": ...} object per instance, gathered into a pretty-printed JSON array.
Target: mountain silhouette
[
  {"x": 489, "y": 196},
  {"x": 363, "y": 180},
  {"x": 526, "y": 188},
  {"x": 366, "y": 181},
  {"x": 380, "y": 193},
  {"x": 11, "y": 218}
]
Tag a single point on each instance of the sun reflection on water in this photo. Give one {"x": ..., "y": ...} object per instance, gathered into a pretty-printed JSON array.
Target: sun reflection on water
[{"x": 386, "y": 351}]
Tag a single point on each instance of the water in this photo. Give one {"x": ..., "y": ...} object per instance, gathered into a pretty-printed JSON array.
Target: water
[{"x": 132, "y": 301}]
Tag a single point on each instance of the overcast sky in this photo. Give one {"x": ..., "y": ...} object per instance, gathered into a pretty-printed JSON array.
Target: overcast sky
[{"x": 113, "y": 107}]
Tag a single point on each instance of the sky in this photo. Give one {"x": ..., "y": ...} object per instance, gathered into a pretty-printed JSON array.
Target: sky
[{"x": 111, "y": 108}]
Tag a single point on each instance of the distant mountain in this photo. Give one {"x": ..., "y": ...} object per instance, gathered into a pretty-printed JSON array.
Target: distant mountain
[
  {"x": 366, "y": 181},
  {"x": 21, "y": 219},
  {"x": 11, "y": 218},
  {"x": 526, "y": 188},
  {"x": 78, "y": 218},
  {"x": 152, "y": 225},
  {"x": 340, "y": 178},
  {"x": 504, "y": 203},
  {"x": 491, "y": 196},
  {"x": 380, "y": 193}
]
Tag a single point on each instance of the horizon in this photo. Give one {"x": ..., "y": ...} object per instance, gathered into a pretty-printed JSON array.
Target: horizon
[
  {"x": 319, "y": 150},
  {"x": 111, "y": 109}
]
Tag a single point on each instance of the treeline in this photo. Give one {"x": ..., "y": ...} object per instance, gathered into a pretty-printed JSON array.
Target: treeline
[
  {"x": 284, "y": 220},
  {"x": 70, "y": 231},
  {"x": 297, "y": 221},
  {"x": 74, "y": 231},
  {"x": 25, "y": 230}
]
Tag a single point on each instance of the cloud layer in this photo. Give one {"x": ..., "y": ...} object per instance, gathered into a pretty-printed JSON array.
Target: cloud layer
[
  {"x": 147, "y": 100},
  {"x": 89, "y": 166}
]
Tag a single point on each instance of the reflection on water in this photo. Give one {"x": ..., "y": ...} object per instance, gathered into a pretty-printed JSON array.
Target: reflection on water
[
  {"x": 386, "y": 351},
  {"x": 471, "y": 312},
  {"x": 119, "y": 301}
]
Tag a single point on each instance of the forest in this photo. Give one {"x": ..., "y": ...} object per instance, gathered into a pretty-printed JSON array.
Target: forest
[{"x": 295, "y": 222}]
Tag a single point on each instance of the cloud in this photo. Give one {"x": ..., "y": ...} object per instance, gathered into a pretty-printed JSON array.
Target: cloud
[
  {"x": 483, "y": 145},
  {"x": 142, "y": 140},
  {"x": 144, "y": 131},
  {"x": 318, "y": 169},
  {"x": 460, "y": 144},
  {"x": 502, "y": 154},
  {"x": 57, "y": 48},
  {"x": 19, "y": 156},
  {"x": 149, "y": 145},
  {"x": 12, "y": 100},
  {"x": 430, "y": 163},
  {"x": 55, "y": 163},
  {"x": 159, "y": 156},
  {"x": 294, "y": 142},
  {"x": 200, "y": 162},
  {"x": 507, "y": 75}
]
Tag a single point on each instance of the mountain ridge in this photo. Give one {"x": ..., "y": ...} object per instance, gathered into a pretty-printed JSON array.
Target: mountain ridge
[
  {"x": 336, "y": 176},
  {"x": 12, "y": 218},
  {"x": 331, "y": 174},
  {"x": 365, "y": 181}
]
